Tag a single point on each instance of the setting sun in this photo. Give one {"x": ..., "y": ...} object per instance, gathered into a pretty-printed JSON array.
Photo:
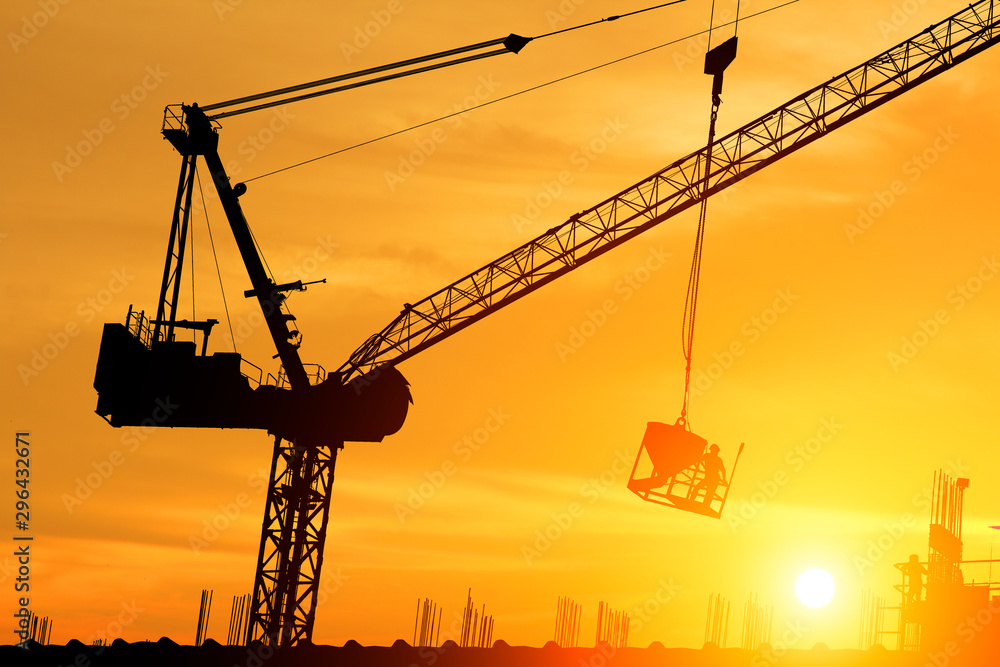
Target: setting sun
[{"x": 814, "y": 588}]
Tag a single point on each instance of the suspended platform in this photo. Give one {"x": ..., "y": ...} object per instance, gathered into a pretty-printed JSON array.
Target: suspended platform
[{"x": 680, "y": 470}]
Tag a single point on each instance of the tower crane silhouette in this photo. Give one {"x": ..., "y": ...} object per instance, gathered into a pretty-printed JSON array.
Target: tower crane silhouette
[{"x": 145, "y": 376}]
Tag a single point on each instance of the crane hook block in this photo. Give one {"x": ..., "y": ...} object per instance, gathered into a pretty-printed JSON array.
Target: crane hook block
[
  {"x": 721, "y": 57},
  {"x": 716, "y": 62},
  {"x": 680, "y": 470}
]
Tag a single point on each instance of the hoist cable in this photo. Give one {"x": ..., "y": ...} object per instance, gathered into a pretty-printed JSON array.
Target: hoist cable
[
  {"x": 610, "y": 18},
  {"x": 694, "y": 277},
  {"x": 215, "y": 255},
  {"x": 520, "y": 92},
  {"x": 283, "y": 305},
  {"x": 711, "y": 20}
]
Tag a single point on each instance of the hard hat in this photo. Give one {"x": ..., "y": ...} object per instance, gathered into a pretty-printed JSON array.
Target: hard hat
[{"x": 714, "y": 449}]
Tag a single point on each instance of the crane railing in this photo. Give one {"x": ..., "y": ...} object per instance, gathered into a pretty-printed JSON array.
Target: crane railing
[{"x": 679, "y": 186}]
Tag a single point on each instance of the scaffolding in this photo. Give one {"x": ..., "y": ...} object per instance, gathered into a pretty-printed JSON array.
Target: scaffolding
[
  {"x": 873, "y": 610},
  {"x": 929, "y": 615}
]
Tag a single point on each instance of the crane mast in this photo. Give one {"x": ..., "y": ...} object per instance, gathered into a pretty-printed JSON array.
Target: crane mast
[
  {"x": 297, "y": 505},
  {"x": 367, "y": 399}
]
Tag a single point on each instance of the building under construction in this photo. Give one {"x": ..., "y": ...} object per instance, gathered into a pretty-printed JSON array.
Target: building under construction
[{"x": 951, "y": 618}]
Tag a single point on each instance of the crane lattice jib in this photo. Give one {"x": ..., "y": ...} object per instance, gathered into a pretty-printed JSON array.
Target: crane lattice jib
[{"x": 679, "y": 186}]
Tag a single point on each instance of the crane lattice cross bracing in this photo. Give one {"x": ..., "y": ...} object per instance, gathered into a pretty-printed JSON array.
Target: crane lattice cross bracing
[{"x": 681, "y": 185}]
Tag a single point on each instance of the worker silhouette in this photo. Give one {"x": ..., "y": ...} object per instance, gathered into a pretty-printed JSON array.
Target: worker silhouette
[
  {"x": 715, "y": 474},
  {"x": 914, "y": 573}
]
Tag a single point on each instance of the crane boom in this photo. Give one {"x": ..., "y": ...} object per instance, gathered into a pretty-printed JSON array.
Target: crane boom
[{"x": 679, "y": 186}]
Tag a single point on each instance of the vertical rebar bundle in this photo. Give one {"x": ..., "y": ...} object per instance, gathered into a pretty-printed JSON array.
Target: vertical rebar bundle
[
  {"x": 568, "y": 613},
  {"x": 204, "y": 611},
  {"x": 717, "y": 621},
  {"x": 428, "y": 613},
  {"x": 239, "y": 619},
  {"x": 612, "y": 626},
  {"x": 477, "y": 627},
  {"x": 872, "y": 617},
  {"x": 39, "y": 629},
  {"x": 466, "y": 621},
  {"x": 756, "y": 624},
  {"x": 946, "y": 529}
]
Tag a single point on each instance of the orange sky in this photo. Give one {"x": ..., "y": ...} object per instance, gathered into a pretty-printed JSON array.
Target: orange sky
[{"x": 81, "y": 243}]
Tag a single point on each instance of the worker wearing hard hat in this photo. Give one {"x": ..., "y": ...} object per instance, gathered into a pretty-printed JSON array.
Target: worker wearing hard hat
[
  {"x": 715, "y": 474},
  {"x": 914, "y": 572}
]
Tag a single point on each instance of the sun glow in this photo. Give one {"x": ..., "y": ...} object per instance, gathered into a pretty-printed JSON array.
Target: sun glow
[{"x": 814, "y": 588}]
